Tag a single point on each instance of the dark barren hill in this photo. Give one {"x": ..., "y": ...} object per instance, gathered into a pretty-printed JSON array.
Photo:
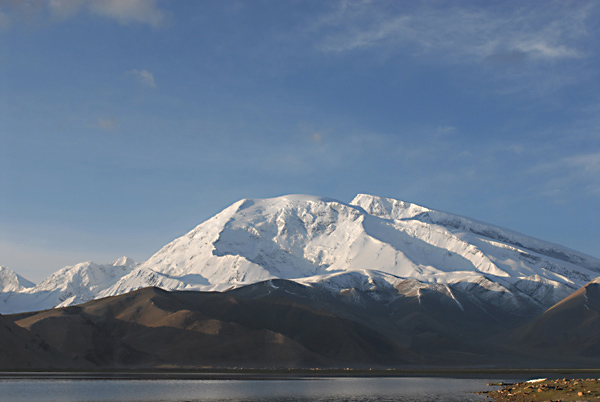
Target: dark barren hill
[
  {"x": 155, "y": 328},
  {"x": 569, "y": 330},
  {"x": 280, "y": 323},
  {"x": 276, "y": 323},
  {"x": 22, "y": 349}
]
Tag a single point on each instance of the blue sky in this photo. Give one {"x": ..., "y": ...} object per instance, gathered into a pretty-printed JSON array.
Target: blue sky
[{"x": 125, "y": 123}]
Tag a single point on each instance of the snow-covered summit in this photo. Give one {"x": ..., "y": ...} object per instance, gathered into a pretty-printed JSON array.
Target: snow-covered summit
[
  {"x": 10, "y": 281},
  {"x": 124, "y": 262},
  {"x": 87, "y": 276},
  {"x": 388, "y": 208},
  {"x": 250, "y": 241},
  {"x": 307, "y": 238}
]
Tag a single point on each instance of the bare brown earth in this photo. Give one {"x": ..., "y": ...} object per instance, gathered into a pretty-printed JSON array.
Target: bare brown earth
[
  {"x": 154, "y": 328},
  {"x": 569, "y": 328},
  {"x": 282, "y": 324},
  {"x": 20, "y": 349},
  {"x": 549, "y": 390}
]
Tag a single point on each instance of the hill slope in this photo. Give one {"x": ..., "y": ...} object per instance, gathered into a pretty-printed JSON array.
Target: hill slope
[
  {"x": 282, "y": 323},
  {"x": 154, "y": 328},
  {"x": 569, "y": 329}
]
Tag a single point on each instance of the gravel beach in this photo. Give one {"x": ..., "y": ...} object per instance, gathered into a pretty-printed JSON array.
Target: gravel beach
[{"x": 549, "y": 390}]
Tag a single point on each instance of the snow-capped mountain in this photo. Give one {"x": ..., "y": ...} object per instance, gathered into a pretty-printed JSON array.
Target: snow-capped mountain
[
  {"x": 382, "y": 246},
  {"x": 319, "y": 241},
  {"x": 70, "y": 285}
]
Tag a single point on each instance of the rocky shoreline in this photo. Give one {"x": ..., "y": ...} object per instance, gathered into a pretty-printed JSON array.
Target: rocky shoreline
[{"x": 562, "y": 390}]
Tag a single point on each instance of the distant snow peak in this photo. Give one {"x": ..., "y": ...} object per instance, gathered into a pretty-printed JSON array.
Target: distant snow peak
[
  {"x": 70, "y": 285},
  {"x": 124, "y": 262},
  {"x": 10, "y": 281}
]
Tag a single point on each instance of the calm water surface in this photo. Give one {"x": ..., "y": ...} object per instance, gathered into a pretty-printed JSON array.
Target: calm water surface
[{"x": 321, "y": 390}]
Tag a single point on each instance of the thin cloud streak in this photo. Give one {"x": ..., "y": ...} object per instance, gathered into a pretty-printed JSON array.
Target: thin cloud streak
[
  {"x": 463, "y": 35},
  {"x": 590, "y": 163},
  {"x": 128, "y": 11},
  {"x": 569, "y": 175},
  {"x": 125, "y": 12},
  {"x": 144, "y": 77}
]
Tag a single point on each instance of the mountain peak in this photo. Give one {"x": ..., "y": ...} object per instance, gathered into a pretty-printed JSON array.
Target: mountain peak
[
  {"x": 318, "y": 240},
  {"x": 10, "y": 281},
  {"x": 304, "y": 198},
  {"x": 283, "y": 201},
  {"x": 307, "y": 238},
  {"x": 124, "y": 262},
  {"x": 388, "y": 208}
]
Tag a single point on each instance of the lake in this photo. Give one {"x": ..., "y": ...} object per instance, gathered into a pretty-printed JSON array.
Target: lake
[{"x": 411, "y": 389}]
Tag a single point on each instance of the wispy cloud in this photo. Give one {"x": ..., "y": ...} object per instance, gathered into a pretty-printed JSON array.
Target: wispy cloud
[
  {"x": 459, "y": 33},
  {"x": 444, "y": 131},
  {"x": 16, "y": 11},
  {"x": 143, "y": 77},
  {"x": 125, "y": 12},
  {"x": 128, "y": 11},
  {"x": 590, "y": 163},
  {"x": 63, "y": 9},
  {"x": 571, "y": 175}
]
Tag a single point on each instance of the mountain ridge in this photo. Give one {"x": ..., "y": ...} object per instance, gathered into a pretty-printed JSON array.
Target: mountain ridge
[{"x": 312, "y": 239}]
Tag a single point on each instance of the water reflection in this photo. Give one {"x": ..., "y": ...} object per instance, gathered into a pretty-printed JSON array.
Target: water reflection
[{"x": 309, "y": 390}]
